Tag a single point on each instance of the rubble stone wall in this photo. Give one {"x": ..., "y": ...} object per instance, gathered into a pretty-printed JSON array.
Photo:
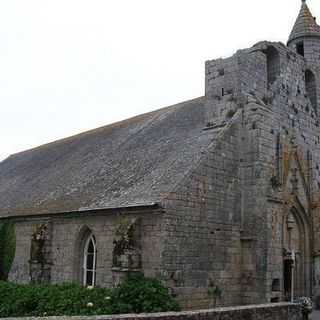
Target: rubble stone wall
[
  {"x": 226, "y": 224},
  {"x": 202, "y": 246},
  {"x": 64, "y": 234},
  {"x": 258, "y": 312}
]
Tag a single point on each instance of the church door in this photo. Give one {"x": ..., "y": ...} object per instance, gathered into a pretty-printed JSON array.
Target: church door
[{"x": 296, "y": 264}]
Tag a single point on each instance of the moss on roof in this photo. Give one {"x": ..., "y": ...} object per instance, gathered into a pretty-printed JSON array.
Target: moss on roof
[{"x": 133, "y": 162}]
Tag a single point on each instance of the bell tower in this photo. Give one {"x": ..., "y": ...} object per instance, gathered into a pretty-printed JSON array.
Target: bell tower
[{"x": 305, "y": 35}]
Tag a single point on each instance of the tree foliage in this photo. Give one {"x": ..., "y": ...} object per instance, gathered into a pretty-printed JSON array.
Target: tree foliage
[{"x": 7, "y": 248}]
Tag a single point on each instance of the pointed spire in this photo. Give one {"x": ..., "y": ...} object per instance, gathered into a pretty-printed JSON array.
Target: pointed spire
[{"x": 305, "y": 25}]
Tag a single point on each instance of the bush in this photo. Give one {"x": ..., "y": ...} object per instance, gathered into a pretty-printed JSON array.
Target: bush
[
  {"x": 7, "y": 248},
  {"x": 134, "y": 295},
  {"x": 51, "y": 300},
  {"x": 139, "y": 294}
]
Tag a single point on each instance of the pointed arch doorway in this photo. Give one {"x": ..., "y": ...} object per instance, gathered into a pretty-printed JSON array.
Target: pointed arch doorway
[{"x": 296, "y": 261}]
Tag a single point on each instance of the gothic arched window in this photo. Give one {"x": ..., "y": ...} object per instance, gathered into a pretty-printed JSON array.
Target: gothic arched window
[
  {"x": 311, "y": 88},
  {"x": 89, "y": 261},
  {"x": 273, "y": 64}
]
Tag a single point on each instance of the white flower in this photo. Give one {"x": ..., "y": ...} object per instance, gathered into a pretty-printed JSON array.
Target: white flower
[
  {"x": 107, "y": 298},
  {"x": 89, "y": 287},
  {"x": 89, "y": 304}
]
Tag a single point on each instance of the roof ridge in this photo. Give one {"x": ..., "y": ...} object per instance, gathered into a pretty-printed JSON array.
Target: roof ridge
[{"x": 153, "y": 114}]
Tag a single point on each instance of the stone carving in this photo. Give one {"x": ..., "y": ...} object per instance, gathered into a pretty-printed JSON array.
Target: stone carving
[
  {"x": 37, "y": 244},
  {"x": 126, "y": 250},
  {"x": 294, "y": 181},
  {"x": 39, "y": 264},
  {"x": 214, "y": 292}
]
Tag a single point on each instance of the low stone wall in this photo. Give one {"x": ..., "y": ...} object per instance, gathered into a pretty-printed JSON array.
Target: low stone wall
[{"x": 278, "y": 311}]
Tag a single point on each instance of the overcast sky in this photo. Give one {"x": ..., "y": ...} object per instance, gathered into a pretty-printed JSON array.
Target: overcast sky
[{"x": 67, "y": 66}]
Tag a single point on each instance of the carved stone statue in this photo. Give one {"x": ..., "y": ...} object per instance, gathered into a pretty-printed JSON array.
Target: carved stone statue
[{"x": 37, "y": 244}]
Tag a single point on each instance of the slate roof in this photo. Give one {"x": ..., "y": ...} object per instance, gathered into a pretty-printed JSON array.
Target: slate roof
[
  {"x": 305, "y": 25},
  {"x": 135, "y": 162}
]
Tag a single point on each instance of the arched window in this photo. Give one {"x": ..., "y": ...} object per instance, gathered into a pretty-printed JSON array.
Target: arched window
[
  {"x": 311, "y": 88},
  {"x": 273, "y": 64},
  {"x": 89, "y": 261}
]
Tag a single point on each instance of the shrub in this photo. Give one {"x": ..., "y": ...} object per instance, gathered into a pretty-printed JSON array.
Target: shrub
[
  {"x": 51, "y": 300},
  {"x": 134, "y": 295},
  {"x": 7, "y": 248},
  {"x": 139, "y": 294}
]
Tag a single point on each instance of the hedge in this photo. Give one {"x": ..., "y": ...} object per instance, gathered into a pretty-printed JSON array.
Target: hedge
[{"x": 135, "y": 295}]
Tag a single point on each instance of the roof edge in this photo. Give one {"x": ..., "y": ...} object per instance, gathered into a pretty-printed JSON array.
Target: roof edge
[
  {"x": 310, "y": 35},
  {"x": 96, "y": 211},
  {"x": 204, "y": 152}
]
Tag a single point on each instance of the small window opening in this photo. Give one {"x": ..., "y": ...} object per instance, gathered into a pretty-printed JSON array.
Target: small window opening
[
  {"x": 222, "y": 92},
  {"x": 275, "y": 285},
  {"x": 300, "y": 48},
  {"x": 221, "y": 72},
  {"x": 273, "y": 65},
  {"x": 311, "y": 88}
]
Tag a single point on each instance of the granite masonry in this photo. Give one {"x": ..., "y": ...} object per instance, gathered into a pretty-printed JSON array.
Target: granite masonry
[
  {"x": 219, "y": 197},
  {"x": 278, "y": 311}
]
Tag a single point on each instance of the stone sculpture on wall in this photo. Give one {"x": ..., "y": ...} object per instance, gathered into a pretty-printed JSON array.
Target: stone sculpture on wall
[
  {"x": 126, "y": 257},
  {"x": 37, "y": 243},
  {"x": 126, "y": 250},
  {"x": 39, "y": 264}
]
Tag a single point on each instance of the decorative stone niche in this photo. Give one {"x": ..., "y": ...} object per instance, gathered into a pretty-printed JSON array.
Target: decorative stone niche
[
  {"x": 40, "y": 262},
  {"x": 126, "y": 257},
  {"x": 275, "y": 285}
]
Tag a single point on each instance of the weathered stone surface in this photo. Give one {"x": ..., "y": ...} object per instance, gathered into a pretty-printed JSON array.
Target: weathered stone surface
[
  {"x": 281, "y": 311},
  {"x": 226, "y": 187}
]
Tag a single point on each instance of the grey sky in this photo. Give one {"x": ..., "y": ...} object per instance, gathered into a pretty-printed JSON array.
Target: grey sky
[{"x": 67, "y": 66}]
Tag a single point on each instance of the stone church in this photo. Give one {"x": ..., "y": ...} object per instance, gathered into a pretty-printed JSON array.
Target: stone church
[{"x": 217, "y": 196}]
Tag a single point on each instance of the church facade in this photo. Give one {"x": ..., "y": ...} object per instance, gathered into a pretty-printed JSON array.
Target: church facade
[{"x": 219, "y": 197}]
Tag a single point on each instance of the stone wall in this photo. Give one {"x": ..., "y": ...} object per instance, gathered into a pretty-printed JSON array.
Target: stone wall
[
  {"x": 226, "y": 221},
  {"x": 202, "y": 247},
  {"x": 65, "y": 233},
  {"x": 286, "y": 132},
  {"x": 258, "y": 312}
]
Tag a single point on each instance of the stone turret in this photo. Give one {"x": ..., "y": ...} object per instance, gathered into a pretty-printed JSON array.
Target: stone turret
[{"x": 305, "y": 35}]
